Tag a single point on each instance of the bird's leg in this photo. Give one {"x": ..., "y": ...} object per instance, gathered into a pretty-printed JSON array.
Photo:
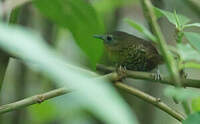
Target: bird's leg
[
  {"x": 121, "y": 71},
  {"x": 157, "y": 75}
]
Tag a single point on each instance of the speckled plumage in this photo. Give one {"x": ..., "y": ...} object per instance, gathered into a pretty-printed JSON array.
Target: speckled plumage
[{"x": 132, "y": 52}]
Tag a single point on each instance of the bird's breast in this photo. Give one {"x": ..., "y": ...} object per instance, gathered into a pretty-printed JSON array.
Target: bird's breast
[{"x": 133, "y": 57}]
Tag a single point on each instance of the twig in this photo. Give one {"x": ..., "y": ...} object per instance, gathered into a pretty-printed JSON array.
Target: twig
[
  {"x": 163, "y": 45},
  {"x": 171, "y": 64},
  {"x": 61, "y": 91},
  {"x": 33, "y": 100},
  {"x": 146, "y": 15},
  {"x": 152, "y": 100},
  {"x": 37, "y": 99},
  {"x": 146, "y": 76}
]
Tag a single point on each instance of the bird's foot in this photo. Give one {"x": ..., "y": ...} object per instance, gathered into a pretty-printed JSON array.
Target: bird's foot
[
  {"x": 121, "y": 71},
  {"x": 157, "y": 75}
]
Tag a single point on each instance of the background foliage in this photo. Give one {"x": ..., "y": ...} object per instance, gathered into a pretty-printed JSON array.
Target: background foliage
[{"x": 50, "y": 44}]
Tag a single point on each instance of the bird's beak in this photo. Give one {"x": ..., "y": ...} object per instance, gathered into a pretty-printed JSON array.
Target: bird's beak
[{"x": 98, "y": 36}]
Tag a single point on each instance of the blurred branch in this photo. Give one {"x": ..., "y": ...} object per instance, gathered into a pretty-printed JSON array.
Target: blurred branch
[
  {"x": 9, "y": 5},
  {"x": 194, "y": 5},
  {"x": 147, "y": 15},
  {"x": 33, "y": 100},
  {"x": 146, "y": 76},
  {"x": 186, "y": 107},
  {"x": 4, "y": 57},
  {"x": 152, "y": 100}
]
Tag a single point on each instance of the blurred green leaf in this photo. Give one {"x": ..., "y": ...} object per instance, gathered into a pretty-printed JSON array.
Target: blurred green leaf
[
  {"x": 196, "y": 104},
  {"x": 181, "y": 94},
  {"x": 193, "y": 119},
  {"x": 104, "y": 6},
  {"x": 141, "y": 29},
  {"x": 191, "y": 64},
  {"x": 194, "y": 39},
  {"x": 171, "y": 17},
  {"x": 99, "y": 96},
  {"x": 188, "y": 53},
  {"x": 192, "y": 25},
  {"x": 80, "y": 18},
  {"x": 44, "y": 113}
]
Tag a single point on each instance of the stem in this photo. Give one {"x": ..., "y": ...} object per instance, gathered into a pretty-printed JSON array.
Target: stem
[
  {"x": 13, "y": 19},
  {"x": 146, "y": 15},
  {"x": 32, "y": 100},
  {"x": 163, "y": 45},
  {"x": 152, "y": 100},
  {"x": 4, "y": 58},
  {"x": 171, "y": 64},
  {"x": 186, "y": 107}
]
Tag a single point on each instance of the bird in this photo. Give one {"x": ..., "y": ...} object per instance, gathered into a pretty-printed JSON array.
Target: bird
[{"x": 130, "y": 52}]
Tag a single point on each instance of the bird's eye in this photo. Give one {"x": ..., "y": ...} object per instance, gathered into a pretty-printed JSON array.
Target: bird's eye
[{"x": 109, "y": 38}]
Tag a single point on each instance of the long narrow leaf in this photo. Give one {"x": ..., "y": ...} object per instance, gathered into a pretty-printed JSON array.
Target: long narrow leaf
[
  {"x": 80, "y": 18},
  {"x": 100, "y": 97}
]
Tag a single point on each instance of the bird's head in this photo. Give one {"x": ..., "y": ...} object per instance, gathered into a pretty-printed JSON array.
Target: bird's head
[{"x": 112, "y": 39}]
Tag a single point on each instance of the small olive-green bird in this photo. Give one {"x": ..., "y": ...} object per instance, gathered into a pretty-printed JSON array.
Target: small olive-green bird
[{"x": 130, "y": 51}]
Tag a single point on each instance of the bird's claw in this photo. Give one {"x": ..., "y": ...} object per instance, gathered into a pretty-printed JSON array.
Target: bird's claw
[
  {"x": 121, "y": 71},
  {"x": 157, "y": 75}
]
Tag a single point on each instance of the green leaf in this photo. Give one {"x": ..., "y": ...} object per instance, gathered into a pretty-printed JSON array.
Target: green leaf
[
  {"x": 182, "y": 94},
  {"x": 43, "y": 113},
  {"x": 192, "y": 25},
  {"x": 196, "y": 104},
  {"x": 80, "y": 18},
  {"x": 188, "y": 53},
  {"x": 141, "y": 29},
  {"x": 195, "y": 65},
  {"x": 96, "y": 95},
  {"x": 104, "y": 6},
  {"x": 193, "y": 119},
  {"x": 171, "y": 17},
  {"x": 194, "y": 39}
]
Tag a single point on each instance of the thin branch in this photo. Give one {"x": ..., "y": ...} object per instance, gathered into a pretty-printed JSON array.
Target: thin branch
[
  {"x": 37, "y": 99},
  {"x": 146, "y": 15},
  {"x": 61, "y": 91},
  {"x": 171, "y": 64},
  {"x": 146, "y": 76},
  {"x": 152, "y": 100},
  {"x": 163, "y": 45},
  {"x": 33, "y": 100}
]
